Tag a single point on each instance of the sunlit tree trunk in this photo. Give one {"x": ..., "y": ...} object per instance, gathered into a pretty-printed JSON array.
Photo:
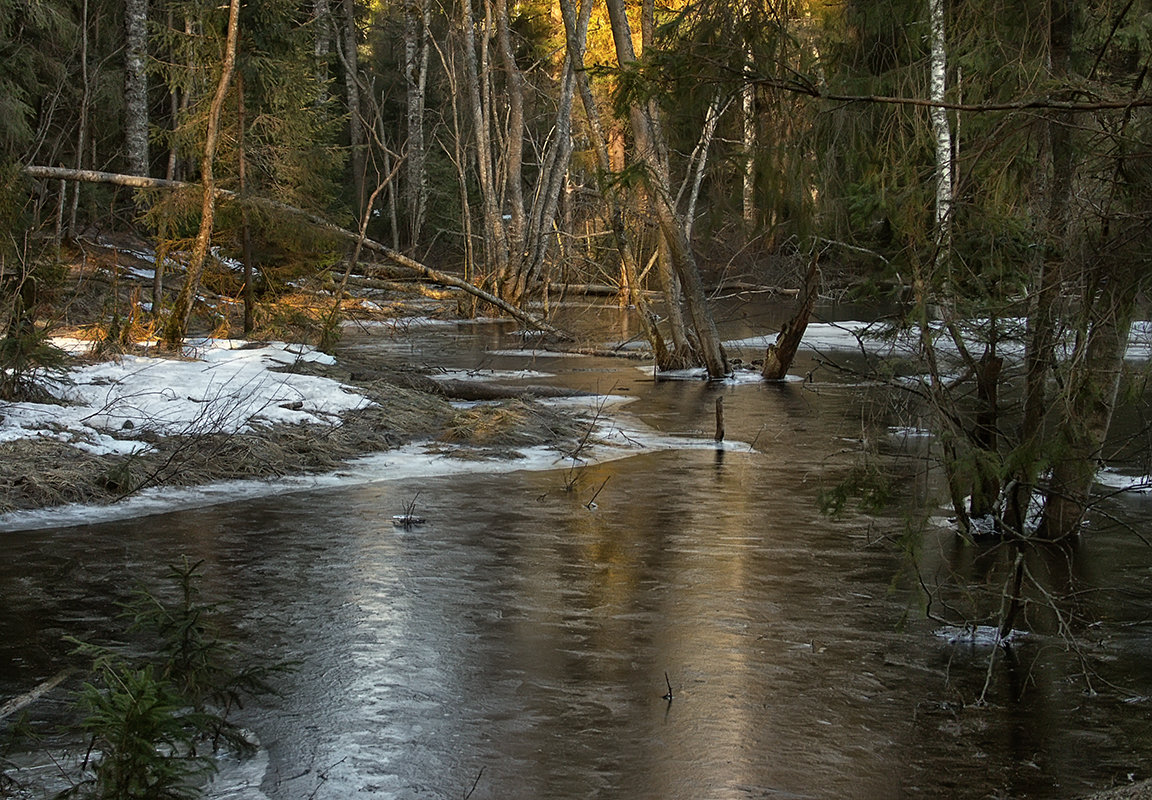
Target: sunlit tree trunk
[
  {"x": 477, "y": 75},
  {"x": 513, "y": 153},
  {"x": 178, "y": 323},
  {"x": 671, "y": 226},
  {"x": 577, "y": 36}
]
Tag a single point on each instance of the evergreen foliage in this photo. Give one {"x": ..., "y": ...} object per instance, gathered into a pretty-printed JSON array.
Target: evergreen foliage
[{"x": 154, "y": 721}]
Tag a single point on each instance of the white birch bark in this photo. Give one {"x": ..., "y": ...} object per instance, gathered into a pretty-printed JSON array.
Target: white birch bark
[
  {"x": 941, "y": 134},
  {"x": 417, "y": 16},
  {"x": 136, "y": 86},
  {"x": 350, "y": 60}
]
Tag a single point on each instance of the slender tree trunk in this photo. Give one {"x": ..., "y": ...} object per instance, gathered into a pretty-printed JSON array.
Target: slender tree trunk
[
  {"x": 350, "y": 60},
  {"x": 85, "y": 102},
  {"x": 416, "y": 34},
  {"x": 1091, "y": 399},
  {"x": 557, "y": 158},
  {"x": 513, "y": 282},
  {"x": 322, "y": 46},
  {"x": 178, "y": 323},
  {"x": 700, "y": 158},
  {"x": 671, "y": 225},
  {"x": 246, "y": 229},
  {"x": 748, "y": 130},
  {"x": 942, "y": 135},
  {"x": 136, "y": 86},
  {"x": 478, "y": 71},
  {"x": 986, "y": 435},
  {"x": 1055, "y": 187}
]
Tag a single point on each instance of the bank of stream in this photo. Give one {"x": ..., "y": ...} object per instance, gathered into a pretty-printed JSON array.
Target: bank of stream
[{"x": 521, "y": 643}]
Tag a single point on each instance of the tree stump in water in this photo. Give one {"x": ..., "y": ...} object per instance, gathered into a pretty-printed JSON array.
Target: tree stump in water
[{"x": 779, "y": 355}]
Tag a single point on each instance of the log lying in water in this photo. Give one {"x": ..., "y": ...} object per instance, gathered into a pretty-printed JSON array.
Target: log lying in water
[
  {"x": 20, "y": 701},
  {"x": 482, "y": 390}
]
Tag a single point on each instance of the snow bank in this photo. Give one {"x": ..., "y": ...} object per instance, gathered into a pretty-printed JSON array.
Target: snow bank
[{"x": 221, "y": 386}]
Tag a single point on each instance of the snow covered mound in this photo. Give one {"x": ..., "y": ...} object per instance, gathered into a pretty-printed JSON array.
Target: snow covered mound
[{"x": 226, "y": 386}]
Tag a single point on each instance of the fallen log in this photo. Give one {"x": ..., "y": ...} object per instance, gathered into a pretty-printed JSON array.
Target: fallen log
[
  {"x": 20, "y": 701},
  {"x": 406, "y": 287},
  {"x": 482, "y": 390},
  {"x": 139, "y": 182}
]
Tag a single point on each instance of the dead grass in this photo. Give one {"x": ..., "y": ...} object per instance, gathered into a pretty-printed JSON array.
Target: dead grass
[
  {"x": 40, "y": 473},
  {"x": 406, "y": 406},
  {"x": 511, "y": 423}
]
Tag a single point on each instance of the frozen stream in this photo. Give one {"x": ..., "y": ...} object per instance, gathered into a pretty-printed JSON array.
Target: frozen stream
[{"x": 516, "y": 645}]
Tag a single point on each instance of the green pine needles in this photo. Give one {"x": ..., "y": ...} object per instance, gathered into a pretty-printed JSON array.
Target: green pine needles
[{"x": 154, "y": 723}]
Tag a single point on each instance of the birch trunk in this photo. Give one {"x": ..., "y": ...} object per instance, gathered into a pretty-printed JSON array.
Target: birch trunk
[
  {"x": 136, "y": 86},
  {"x": 416, "y": 23},
  {"x": 322, "y": 46},
  {"x": 350, "y": 60},
  {"x": 942, "y": 136},
  {"x": 85, "y": 102},
  {"x": 748, "y": 130}
]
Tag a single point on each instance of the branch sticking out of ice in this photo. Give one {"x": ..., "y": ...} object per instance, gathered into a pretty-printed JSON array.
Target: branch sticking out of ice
[{"x": 978, "y": 635}]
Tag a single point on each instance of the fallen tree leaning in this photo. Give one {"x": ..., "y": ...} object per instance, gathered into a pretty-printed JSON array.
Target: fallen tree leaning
[{"x": 399, "y": 259}]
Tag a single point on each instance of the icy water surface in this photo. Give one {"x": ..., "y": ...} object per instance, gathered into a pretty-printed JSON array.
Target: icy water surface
[{"x": 516, "y": 645}]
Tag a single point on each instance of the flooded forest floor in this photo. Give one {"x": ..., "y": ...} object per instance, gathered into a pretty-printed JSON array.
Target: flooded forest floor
[{"x": 100, "y": 305}]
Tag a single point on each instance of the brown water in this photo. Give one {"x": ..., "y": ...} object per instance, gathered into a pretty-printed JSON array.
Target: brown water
[{"x": 516, "y": 645}]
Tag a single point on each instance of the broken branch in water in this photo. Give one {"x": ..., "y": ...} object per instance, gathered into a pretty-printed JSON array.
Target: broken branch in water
[{"x": 592, "y": 503}]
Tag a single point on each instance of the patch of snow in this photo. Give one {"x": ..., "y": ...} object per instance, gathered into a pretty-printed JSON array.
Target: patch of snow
[
  {"x": 227, "y": 261},
  {"x": 225, "y": 389},
  {"x": 1140, "y": 341},
  {"x": 908, "y": 432},
  {"x": 692, "y": 374},
  {"x": 1114, "y": 479},
  {"x": 615, "y": 437},
  {"x": 141, "y": 273},
  {"x": 739, "y": 377},
  {"x": 852, "y": 335},
  {"x": 631, "y": 344},
  {"x": 822, "y": 336},
  {"x": 404, "y": 323},
  {"x": 73, "y": 346},
  {"x": 978, "y": 635}
]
